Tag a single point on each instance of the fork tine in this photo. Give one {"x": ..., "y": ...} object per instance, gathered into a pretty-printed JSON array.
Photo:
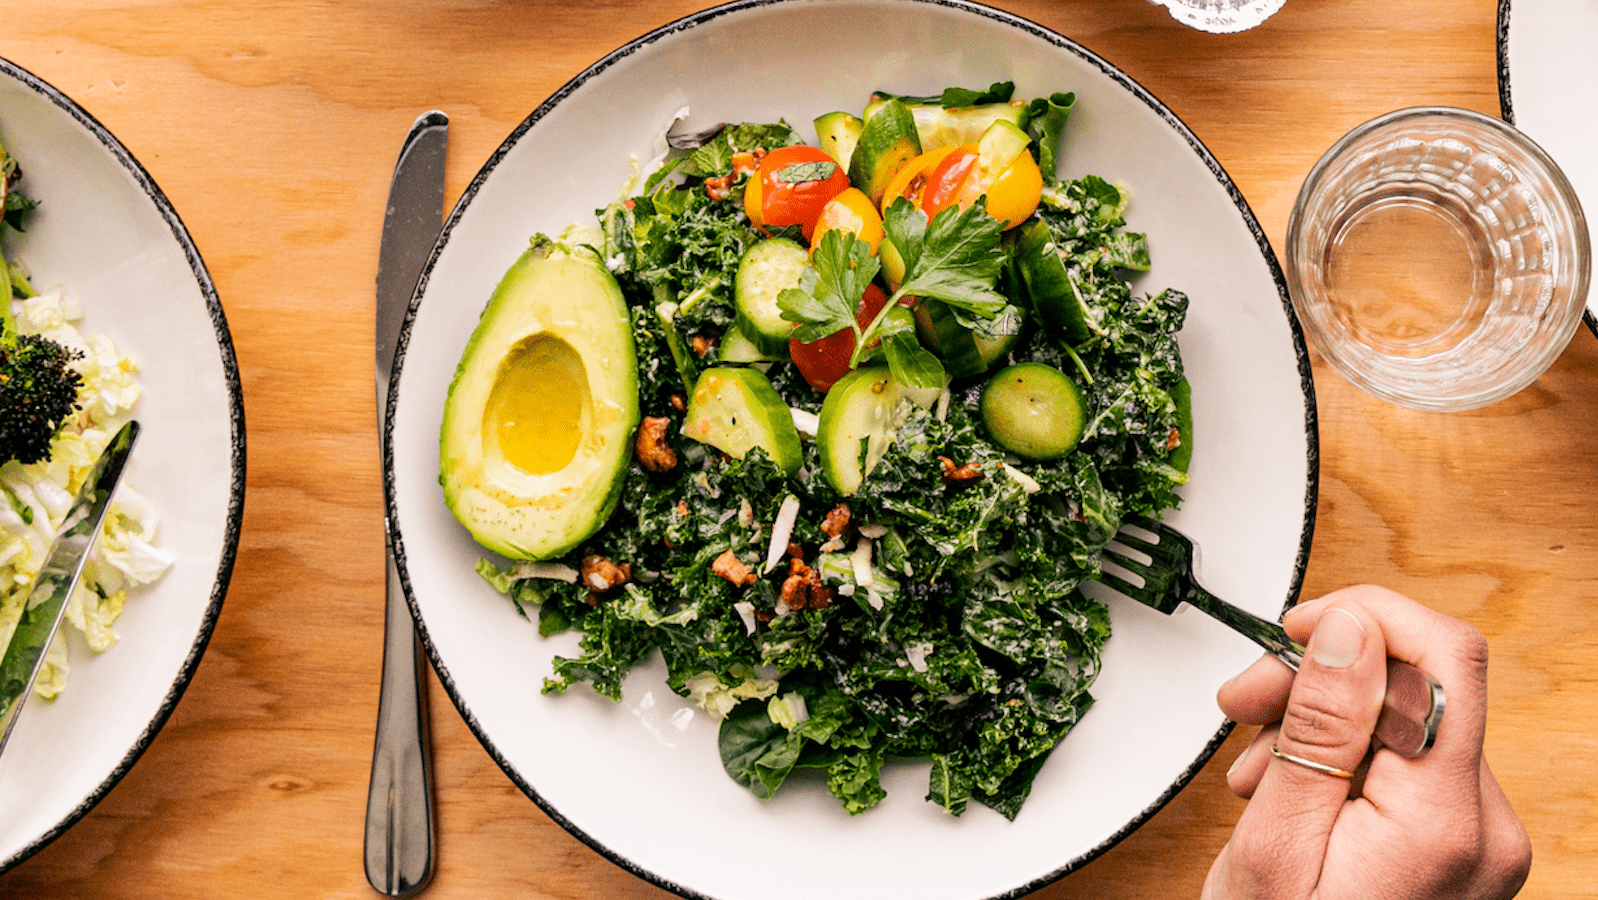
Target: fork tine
[
  {"x": 1158, "y": 575},
  {"x": 1135, "y": 542},
  {"x": 1136, "y": 592}
]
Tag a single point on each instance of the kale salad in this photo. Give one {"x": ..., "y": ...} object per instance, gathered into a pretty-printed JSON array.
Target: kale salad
[{"x": 890, "y": 393}]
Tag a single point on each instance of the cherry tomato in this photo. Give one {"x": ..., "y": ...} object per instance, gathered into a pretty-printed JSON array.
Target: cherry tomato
[
  {"x": 792, "y": 185},
  {"x": 822, "y": 362},
  {"x": 850, "y": 211},
  {"x": 1014, "y": 195},
  {"x": 911, "y": 178},
  {"x": 958, "y": 180},
  {"x": 947, "y": 181}
]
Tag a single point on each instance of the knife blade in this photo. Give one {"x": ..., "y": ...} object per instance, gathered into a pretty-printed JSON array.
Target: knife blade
[
  {"x": 63, "y": 566},
  {"x": 399, "y": 803}
]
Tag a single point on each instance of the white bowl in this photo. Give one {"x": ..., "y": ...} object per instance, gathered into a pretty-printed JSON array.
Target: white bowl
[
  {"x": 641, "y": 780},
  {"x": 106, "y": 235}
]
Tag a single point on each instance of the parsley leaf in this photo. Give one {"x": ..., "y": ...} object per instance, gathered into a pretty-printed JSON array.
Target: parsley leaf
[
  {"x": 829, "y": 291},
  {"x": 800, "y": 173},
  {"x": 955, "y": 258},
  {"x": 911, "y": 364}
]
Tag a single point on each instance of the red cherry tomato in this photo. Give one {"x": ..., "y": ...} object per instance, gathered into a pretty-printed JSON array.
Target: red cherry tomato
[
  {"x": 823, "y": 362},
  {"x": 946, "y": 184},
  {"x": 795, "y": 183}
]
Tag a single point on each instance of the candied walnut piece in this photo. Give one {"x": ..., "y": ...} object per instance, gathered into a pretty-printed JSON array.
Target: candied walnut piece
[
  {"x": 601, "y": 576},
  {"x": 718, "y": 187},
  {"x": 820, "y": 594},
  {"x": 701, "y": 344},
  {"x": 728, "y": 566},
  {"x": 836, "y": 521},
  {"x": 654, "y": 454},
  {"x": 802, "y": 589},
  {"x": 678, "y": 403},
  {"x": 795, "y": 593},
  {"x": 960, "y": 475},
  {"x": 1174, "y": 440}
]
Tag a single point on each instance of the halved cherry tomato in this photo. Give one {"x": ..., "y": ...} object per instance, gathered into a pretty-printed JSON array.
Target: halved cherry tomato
[
  {"x": 822, "y": 362},
  {"x": 911, "y": 179},
  {"x": 947, "y": 180},
  {"x": 1014, "y": 195},
  {"x": 850, "y": 211},
  {"x": 792, "y": 185},
  {"x": 957, "y": 180}
]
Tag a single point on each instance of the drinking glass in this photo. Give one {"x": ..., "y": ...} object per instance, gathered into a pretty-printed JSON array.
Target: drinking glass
[{"x": 1438, "y": 258}]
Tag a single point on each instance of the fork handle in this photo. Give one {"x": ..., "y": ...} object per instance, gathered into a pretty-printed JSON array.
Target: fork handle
[{"x": 1411, "y": 709}]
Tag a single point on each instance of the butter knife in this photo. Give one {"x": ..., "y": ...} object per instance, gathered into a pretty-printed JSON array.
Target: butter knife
[
  {"x": 399, "y": 803},
  {"x": 63, "y": 566}
]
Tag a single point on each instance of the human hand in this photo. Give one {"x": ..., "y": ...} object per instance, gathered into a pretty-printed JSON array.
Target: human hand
[{"x": 1384, "y": 826}]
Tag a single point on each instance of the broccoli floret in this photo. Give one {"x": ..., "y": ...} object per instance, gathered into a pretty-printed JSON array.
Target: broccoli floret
[
  {"x": 38, "y": 394},
  {"x": 38, "y": 386}
]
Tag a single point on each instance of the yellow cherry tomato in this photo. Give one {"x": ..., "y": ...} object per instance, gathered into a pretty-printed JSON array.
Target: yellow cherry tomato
[
  {"x": 850, "y": 211},
  {"x": 752, "y": 202},
  {"x": 911, "y": 179},
  {"x": 1014, "y": 195}
]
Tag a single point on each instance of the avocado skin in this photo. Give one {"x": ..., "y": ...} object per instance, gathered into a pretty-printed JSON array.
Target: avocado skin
[{"x": 551, "y": 292}]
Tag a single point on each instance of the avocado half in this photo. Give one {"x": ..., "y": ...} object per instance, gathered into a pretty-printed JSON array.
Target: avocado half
[{"x": 537, "y": 427}]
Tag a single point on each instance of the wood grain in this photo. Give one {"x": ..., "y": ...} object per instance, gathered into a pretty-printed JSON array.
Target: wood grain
[{"x": 273, "y": 127}]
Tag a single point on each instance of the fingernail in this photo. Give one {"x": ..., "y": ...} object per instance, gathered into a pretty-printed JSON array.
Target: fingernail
[
  {"x": 1338, "y": 639},
  {"x": 1239, "y": 761}
]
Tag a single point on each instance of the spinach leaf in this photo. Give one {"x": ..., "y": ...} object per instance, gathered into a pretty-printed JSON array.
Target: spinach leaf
[{"x": 757, "y": 752}]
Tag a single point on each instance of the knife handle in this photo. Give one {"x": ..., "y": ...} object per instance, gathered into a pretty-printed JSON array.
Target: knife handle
[{"x": 399, "y": 803}]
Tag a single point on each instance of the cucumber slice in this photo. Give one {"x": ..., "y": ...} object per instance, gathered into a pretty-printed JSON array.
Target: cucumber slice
[
  {"x": 736, "y": 347},
  {"x": 887, "y": 142},
  {"x": 766, "y": 269},
  {"x": 1048, "y": 284},
  {"x": 736, "y": 409},
  {"x": 1034, "y": 410},
  {"x": 999, "y": 146},
  {"x": 943, "y": 334},
  {"x": 857, "y": 425},
  {"x": 1182, "y": 395},
  {"x": 963, "y": 351},
  {"x": 937, "y": 126},
  {"x": 837, "y": 133}
]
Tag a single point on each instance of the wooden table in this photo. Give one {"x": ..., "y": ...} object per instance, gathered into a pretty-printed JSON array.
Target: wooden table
[{"x": 273, "y": 129}]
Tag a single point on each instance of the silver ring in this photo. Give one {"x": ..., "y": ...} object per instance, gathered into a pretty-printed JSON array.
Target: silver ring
[{"x": 1312, "y": 765}]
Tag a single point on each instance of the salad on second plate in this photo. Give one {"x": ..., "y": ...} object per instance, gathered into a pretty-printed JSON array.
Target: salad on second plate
[
  {"x": 63, "y": 395},
  {"x": 839, "y": 429}
]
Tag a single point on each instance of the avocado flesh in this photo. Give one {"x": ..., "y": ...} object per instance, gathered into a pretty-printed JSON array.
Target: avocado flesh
[{"x": 536, "y": 435}]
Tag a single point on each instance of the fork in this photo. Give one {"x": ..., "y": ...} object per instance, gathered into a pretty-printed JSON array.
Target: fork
[{"x": 1414, "y": 702}]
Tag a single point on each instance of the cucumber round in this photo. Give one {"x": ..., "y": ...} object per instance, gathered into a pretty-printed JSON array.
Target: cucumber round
[
  {"x": 767, "y": 269},
  {"x": 1034, "y": 410},
  {"x": 857, "y": 425},
  {"x": 736, "y": 409}
]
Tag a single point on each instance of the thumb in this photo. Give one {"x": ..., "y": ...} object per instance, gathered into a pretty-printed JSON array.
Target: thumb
[{"x": 1280, "y": 842}]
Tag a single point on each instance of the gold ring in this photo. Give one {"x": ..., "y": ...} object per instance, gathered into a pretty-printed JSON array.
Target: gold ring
[{"x": 1312, "y": 765}]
